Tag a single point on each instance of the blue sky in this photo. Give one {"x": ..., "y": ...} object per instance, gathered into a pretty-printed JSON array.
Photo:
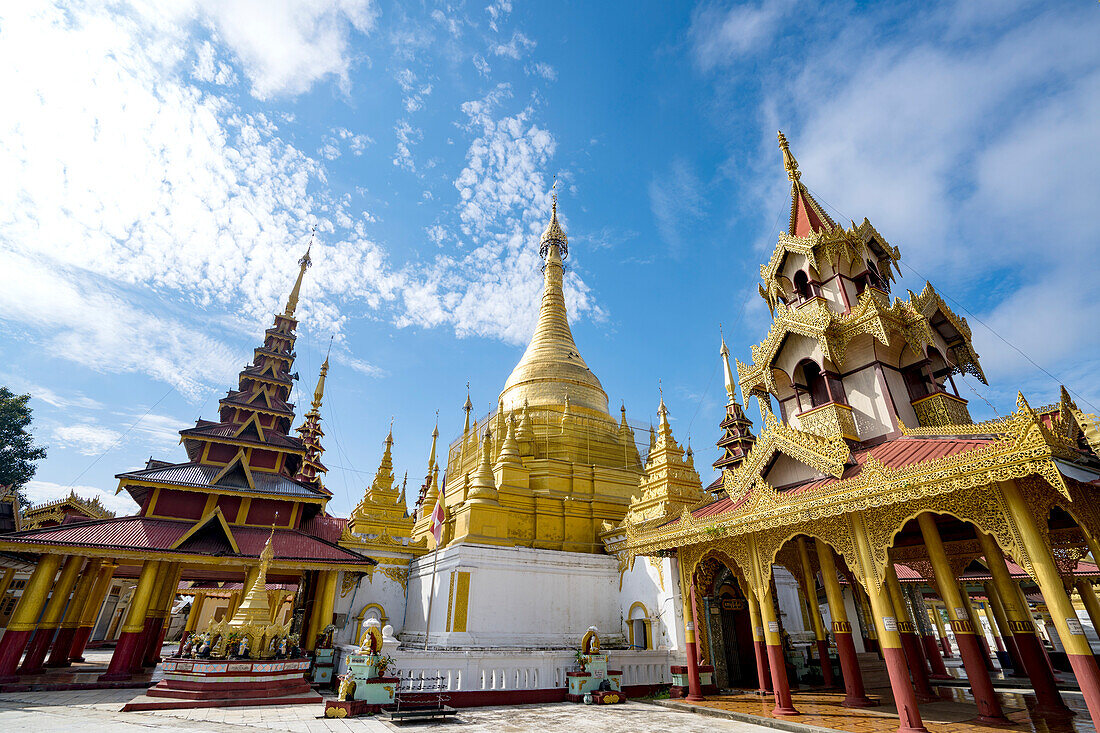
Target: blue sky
[{"x": 165, "y": 161}]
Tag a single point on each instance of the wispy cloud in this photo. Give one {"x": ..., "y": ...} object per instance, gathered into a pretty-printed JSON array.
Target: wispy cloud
[
  {"x": 88, "y": 439},
  {"x": 543, "y": 69},
  {"x": 407, "y": 137},
  {"x": 721, "y": 36},
  {"x": 39, "y": 492},
  {"x": 516, "y": 47},
  {"x": 677, "y": 201},
  {"x": 498, "y": 11}
]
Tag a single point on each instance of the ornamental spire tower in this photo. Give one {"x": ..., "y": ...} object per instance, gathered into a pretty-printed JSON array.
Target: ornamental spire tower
[
  {"x": 807, "y": 216},
  {"x": 737, "y": 438},
  {"x": 551, "y": 368},
  {"x": 311, "y": 433}
]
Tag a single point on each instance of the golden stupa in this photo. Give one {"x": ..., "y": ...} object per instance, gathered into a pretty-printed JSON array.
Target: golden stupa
[{"x": 550, "y": 466}]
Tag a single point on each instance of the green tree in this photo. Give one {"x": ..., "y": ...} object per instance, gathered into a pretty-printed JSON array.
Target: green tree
[{"x": 18, "y": 453}]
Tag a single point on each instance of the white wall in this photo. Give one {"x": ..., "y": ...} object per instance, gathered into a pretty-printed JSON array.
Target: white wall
[
  {"x": 658, "y": 589},
  {"x": 378, "y": 589}
]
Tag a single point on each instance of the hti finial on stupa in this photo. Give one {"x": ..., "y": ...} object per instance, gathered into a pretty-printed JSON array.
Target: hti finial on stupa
[
  {"x": 303, "y": 265},
  {"x": 553, "y": 233},
  {"x": 807, "y": 216}
]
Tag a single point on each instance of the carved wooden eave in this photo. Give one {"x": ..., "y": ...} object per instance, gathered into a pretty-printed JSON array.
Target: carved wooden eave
[
  {"x": 1020, "y": 446},
  {"x": 830, "y": 245},
  {"x": 965, "y": 359}
]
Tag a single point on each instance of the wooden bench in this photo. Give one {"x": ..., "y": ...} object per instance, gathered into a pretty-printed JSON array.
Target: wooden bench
[{"x": 420, "y": 698}]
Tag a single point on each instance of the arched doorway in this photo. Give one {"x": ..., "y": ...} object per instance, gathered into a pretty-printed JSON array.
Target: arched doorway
[{"x": 729, "y": 637}]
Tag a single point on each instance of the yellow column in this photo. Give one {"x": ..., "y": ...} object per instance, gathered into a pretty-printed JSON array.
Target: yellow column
[
  {"x": 25, "y": 618},
  {"x": 885, "y": 622},
  {"x": 37, "y": 590},
  {"x": 129, "y": 651},
  {"x": 5, "y": 583},
  {"x": 934, "y": 611},
  {"x": 323, "y": 603},
  {"x": 815, "y": 614},
  {"x": 1054, "y": 593},
  {"x": 81, "y": 594},
  {"x": 777, "y": 660},
  {"x": 974, "y": 659},
  {"x": 51, "y": 616},
  {"x": 979, "y": 629},
  {"x": 906, "y": 632},
  {"x": 99, "y": 593},
  {"x": 759, "y": 645},
  {"x": 195, "y": 613},
  {"x": 1088, "y": 597}
]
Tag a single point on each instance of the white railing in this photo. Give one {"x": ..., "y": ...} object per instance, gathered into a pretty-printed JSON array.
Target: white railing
[{"x": 495, "y": 670}]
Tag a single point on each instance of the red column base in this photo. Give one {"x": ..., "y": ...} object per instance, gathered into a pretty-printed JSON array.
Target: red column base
[
  {"x": 784, "y": 706},
  {"x": 695, "y": 693},
  {"x": 1049, "y": 700},
  {"x": 12, "y": 645},
  {"x": 59, "y": 654},
  {"x": 36, "y": 651},
  {"x": 917, "y": 671},
  {"x": 125, "y": 651},
  {"x": 80, "y": 642},
  {"x": 935, "y": 659},
  {"x": 155, "y": 632},
  {"x": 1088, "y": 677},
  {"x": 826, "y": 663},
  {"x": 854, "y": 694},
  {"x": 762, "y": 671},
  {"x": 904, "y": 698},
  {"x": 981, "y": 687}
]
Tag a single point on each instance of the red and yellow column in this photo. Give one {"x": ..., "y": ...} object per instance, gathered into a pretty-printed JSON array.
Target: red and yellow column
[
  {"x": 52, "y": 615},
  {"x": 193, "y": 617},
  {"x": 855, "y": 695},
  {"x": 25, "y": 618},
  {"x": 909, "y": 642},
  {"x": 889, "y": 639},
  {"x": 62, "y": 643},
  {"x": 1054, "y": 593},
  {"x": 810, "y": 588},
  {"x": 925, "y": 634},
  {"x": 776, "y": 658},
  {"x": 157, "y": 618},
  {"x": 989, "y": 707},
  {"x": 760, "y": 647},
  {"x": 1004, "y": 629},
  {"x": 1023, "y": 631},
  {"x": 129, "y": 648},
  {"x": 90, "y": 614}
]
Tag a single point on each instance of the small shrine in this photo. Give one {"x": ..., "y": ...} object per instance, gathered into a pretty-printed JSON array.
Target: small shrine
[
  {"x": 248, "y": 660},
  {"x": 595, "y": 684},
  {"x": 365, "y": 688}
]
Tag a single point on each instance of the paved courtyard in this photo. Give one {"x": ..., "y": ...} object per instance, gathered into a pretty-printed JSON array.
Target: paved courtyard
[{"x": 97, "y": 711}]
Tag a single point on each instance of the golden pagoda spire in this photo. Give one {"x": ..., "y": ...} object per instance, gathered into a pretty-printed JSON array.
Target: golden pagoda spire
[
  {"x": 383, "y": 477},
  {"x": 256, "y": 607},
  {"x": 435, "y": 437},
  {"x": 551, "y": 365},
  {"x": 509, "y": 448},
  {"x": 807, "y": 216},
  {"x": 467, "y": 408},
  {"x": 731, "y": 388},
  {"x": 319, "y": 391},
  {"x": 664, "y": 430},
  {"x": 789, "y": 162},
  {"x": 401, "y": 501},
  {"x": 303, "y": 264},
  {"x": 483, "y": 488}
]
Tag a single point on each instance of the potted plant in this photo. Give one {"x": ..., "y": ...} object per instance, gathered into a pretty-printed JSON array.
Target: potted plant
[
  {"x": 581, "y": 659},
  {"x": 385, "y": 662}
]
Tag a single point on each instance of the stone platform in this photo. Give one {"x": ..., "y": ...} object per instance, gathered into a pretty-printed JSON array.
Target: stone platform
[{"x": 189, "y": 683}]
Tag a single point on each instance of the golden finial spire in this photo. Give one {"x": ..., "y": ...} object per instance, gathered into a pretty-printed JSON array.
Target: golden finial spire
[
  {"x": 788, "y": 159},
  {"x": 435, "y": 437},
  {"x": 404, "y": 483},
  {"x": 731, "y": 389},
  {"x": 554, "y": 234},
  {"x": 303, "y": 264},
  {"x": 467, "y": 407},
  {"x": 319, "y": 392}
]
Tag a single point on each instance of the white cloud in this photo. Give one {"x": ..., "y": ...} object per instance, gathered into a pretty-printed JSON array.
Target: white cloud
[
  {"x": 207, "y": 68},
  {"x": 88, "y": 439},
  {"x": 498, "y": 11},
  {"x": 407, "y": 136},
  {"x": 121, "y": 176},
  {"x": 494, "y": 290},
  {"x": 333, "y": 144},
  {"x": 677, "y": 201},
  {"x": 284, "y": 47},
  {"x": 481, "y": 65},
  {"x": 45, "y": 394},
  {"x": 515, "y": 48},
  {"x": 38, "y": 492},
  {"x": 722, "y": 36},
  {"x": 543, "y": 69}
]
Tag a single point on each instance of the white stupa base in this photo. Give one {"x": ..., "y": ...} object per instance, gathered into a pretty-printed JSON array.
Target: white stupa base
[{"x": 517, "y": 598}]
